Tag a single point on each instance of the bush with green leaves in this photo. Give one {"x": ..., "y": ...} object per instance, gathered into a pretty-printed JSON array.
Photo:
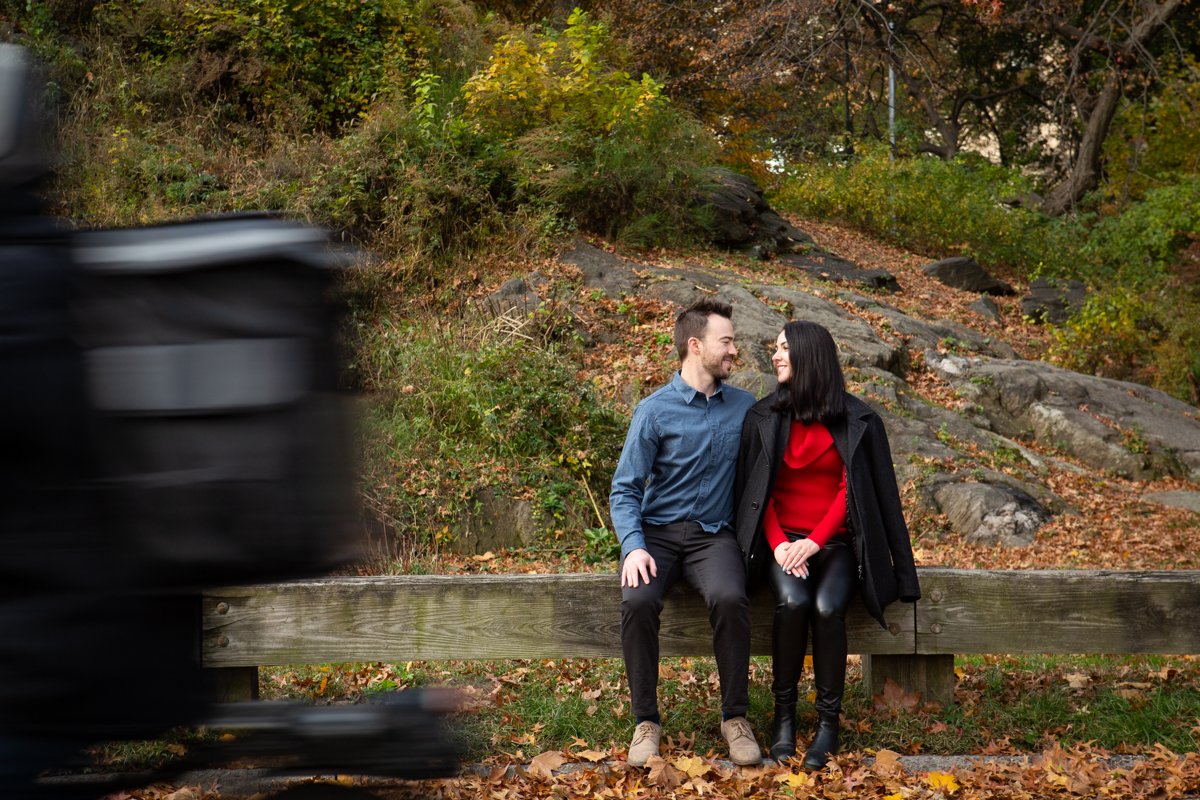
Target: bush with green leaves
[
  {"x": 323, "y": 63},
  {"x": 637, "y": 183},
  {"x": 1138, "y": 246},
  {"x": 1155, "y": 142},
  {"x": 456, "y": 407},
  {"x": 422, "y": 190},
  {"x": 549, "y": 77},
  {"x": 959, "y": 207},
  {"x": 1134, "y": 327},
  {"x": 1143, "y": 323},
  {"x": 606, "y": 148}
]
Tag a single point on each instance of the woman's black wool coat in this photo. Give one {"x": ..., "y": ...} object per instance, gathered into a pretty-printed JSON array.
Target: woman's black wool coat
[{"x": 873, "y": 512}]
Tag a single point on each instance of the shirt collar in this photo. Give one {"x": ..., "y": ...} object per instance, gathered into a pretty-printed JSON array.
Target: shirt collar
[{"x": 688, "y": 394}]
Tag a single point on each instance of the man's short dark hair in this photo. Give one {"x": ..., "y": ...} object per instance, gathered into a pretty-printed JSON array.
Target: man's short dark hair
[{"x": 693, "y": 321}]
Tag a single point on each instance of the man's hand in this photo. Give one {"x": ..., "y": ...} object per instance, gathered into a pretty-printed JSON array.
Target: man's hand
[
  {"x": 793, "y": 556},
  {"x": 638, "y": 563}
]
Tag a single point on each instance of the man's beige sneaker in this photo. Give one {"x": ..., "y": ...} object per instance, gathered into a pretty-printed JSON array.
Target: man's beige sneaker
[
  {"x": 743, "y": 747},
  {"x": 646, "y": 737}
]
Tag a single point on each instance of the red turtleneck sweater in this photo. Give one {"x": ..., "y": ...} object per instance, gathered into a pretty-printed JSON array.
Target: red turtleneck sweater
[{"x": 810, "y": 488}]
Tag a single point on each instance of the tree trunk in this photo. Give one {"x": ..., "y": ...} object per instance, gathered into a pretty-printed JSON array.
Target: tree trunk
[
  {"x": 1085, "y": 171},
  {"x": 948, "y": 129}
]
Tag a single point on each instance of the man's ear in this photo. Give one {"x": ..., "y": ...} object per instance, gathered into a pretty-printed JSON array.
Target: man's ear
[{"x": 694, "y": 345}]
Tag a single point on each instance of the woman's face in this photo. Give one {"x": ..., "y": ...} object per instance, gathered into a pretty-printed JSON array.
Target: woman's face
[{"x": 779, "y": 359}]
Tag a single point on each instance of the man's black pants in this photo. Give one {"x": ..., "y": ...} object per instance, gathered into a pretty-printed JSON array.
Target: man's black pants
[{"x": 712, "y": 564}]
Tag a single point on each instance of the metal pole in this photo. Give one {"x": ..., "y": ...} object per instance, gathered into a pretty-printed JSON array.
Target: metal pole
[{"x": 891, "y": 97}]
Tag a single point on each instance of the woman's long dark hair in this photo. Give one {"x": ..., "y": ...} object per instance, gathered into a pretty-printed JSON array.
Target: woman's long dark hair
[{"x": 816, "y": 391}]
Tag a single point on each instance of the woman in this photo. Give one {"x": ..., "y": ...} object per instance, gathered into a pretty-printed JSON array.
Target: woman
[{"x": 815, "y": 486}]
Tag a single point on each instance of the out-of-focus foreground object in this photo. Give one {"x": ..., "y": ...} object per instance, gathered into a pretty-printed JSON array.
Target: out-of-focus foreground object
[
  {"x": 223, "y": 440},
  {"x": 170, "y": 420}
]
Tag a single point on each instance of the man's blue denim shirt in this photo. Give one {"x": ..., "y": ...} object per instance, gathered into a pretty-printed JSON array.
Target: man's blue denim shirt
[{"x": 678, "y": 461}]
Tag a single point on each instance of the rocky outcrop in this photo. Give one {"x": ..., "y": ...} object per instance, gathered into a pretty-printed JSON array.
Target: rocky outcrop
[
  {"x": 1003, "y": 402},
  {"x": 1126, "y": 428},
  {"x": 829, "y": 267},
  {"x": 742, "y": 219},
  {"x": 990, "y": 513},
  {"x": 964, "y": 272},
  {"x": 1052, "y": 301},
  {"x": 1178, "y": 499}
]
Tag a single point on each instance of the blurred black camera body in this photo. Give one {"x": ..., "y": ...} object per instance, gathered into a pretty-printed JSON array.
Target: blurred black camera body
[
  {"x": 210, "y": 360},
  {"x": 170, "y": 420}
]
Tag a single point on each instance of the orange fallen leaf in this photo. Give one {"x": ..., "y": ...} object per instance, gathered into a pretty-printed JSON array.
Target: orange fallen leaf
[
  {"x": 894, "y": 700},
  {"x": 663, "y": 774},
  {"x": 544, "y": 764},
  {"x": 887, "y": 762}
]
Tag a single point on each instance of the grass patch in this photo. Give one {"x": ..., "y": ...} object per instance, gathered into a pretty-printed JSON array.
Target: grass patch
[{"x": 1003, "y": 704}]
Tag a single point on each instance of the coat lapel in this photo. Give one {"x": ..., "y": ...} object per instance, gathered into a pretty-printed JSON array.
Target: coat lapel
[
  {"x": 773, "y": 428},
  {"x": 855, "y": 427}
]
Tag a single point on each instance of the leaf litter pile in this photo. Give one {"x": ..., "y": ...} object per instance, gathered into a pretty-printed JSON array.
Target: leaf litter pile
[{"x": 580, "y": 772}]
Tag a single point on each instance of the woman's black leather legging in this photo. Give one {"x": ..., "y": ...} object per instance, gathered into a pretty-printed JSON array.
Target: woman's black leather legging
[{"x": 820, "y": 602}]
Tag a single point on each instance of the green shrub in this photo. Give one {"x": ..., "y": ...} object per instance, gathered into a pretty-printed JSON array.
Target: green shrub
[
  {"x": 1151, "y": 337},
  {"x": 607, "y": 149},
  {"x": 1144, "y": 322},
  {"x": 455, "y": 408},
  {"x": 1134, "y": 327},
  {"x": 932, "y": 206},
  {"x": 1109, "y": 336},
  {"x": 1155, "y": 142},
  {"x": 418, "y": 190},
  {"x": 637, "y": 183},
  {"x": 532, "y": 80},
  {"x": 1137, "y": 246},
  {"x": 322, "y": 62}
]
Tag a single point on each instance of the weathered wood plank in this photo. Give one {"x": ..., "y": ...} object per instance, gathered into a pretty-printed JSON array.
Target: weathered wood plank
[
  {"x": 561, "y": 616},
  {"x": 1058, "y": 611},
  {"x": 434, "y": 617}
]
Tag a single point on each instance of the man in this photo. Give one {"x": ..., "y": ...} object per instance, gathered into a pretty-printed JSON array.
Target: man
[{"x": 672, "y": 508}]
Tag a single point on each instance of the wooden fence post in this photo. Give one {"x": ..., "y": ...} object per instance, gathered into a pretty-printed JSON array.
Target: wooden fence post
[{"x": 932, "y": 676}]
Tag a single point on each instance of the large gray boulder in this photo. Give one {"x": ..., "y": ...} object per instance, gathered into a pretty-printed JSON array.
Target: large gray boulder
[
  {"x": 1180, "y": 498},
  {"x": 1126, "y": 428},
  {"x": 827, "y": 266},
  {"x": 858, "y": 343},
  {"x": 601, "y": 270},
  {"x": 741, "y": 217},
  {"x": 964, "y": 272},
  {"x": 1053, "y": 301},
  {"x": 991, "y": 513}
]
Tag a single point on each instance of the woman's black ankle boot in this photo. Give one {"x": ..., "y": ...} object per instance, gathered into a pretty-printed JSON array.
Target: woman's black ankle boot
[
  {"x": 783, "y": 732},
  {"x": 824, "y": 743}
]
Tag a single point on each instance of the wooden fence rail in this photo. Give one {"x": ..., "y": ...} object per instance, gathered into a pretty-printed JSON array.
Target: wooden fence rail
[{"x": 463, "y": 617}]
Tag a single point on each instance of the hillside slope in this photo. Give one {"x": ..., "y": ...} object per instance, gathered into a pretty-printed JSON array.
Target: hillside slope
[{"x": 1004, "y": 461}]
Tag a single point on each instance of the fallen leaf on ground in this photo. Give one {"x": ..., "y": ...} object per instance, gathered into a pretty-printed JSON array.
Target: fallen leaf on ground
[
  {"x": 663, "y": 774},
  {"x": 543, "y": 765},
  {"x": 894, "y": 700},
  {"x": 942, "y": 782},
  {"x": 692, "y": 766},
  {"x": 887, "y": 762}
]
